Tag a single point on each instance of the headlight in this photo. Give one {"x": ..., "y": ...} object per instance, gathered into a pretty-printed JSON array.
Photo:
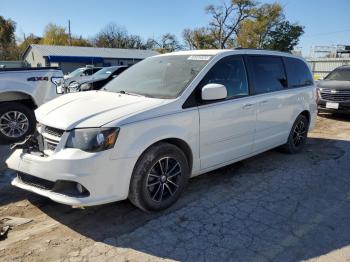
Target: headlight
[
  {"x": 93, "y": 139},
  {"x": 85, "y": 87},
  {"x": 73, "y": 87}
]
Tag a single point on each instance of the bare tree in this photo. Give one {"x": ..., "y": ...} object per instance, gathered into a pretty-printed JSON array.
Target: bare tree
[
  {"x": 226, "y": 19},
  {"x": 112, "y": 35},
  {"x": 166, "y": 43}
]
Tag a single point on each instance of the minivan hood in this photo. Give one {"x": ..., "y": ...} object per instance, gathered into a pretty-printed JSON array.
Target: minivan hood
[
  {"x": 333, "y": 84},
  {"x": 91, "y": 109}
]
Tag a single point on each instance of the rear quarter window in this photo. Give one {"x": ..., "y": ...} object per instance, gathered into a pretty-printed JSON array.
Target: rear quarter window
[
  {"x": 267, "y": 72},
  {"x": 298, "y": 73}
]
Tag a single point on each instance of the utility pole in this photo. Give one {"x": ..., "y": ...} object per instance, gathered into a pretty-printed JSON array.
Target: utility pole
[{"x": 69, "y": 33}]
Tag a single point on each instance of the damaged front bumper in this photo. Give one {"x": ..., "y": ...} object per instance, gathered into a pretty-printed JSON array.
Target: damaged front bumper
[{"x": 71, "y": 176}]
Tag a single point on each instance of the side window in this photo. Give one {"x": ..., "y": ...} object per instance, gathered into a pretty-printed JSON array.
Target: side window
[
  {"x": 298, "y": 73},
  {"x": 89, "y": 72},
  {"x": 268, "y": 73},
  {"x": 231, "y": 73}
]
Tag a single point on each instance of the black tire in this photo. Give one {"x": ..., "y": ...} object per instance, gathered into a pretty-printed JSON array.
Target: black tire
[
  {"x": 297, "y": 136},
  {"x": 145, "y": 180},
  {"x": 16, "y": 107}
]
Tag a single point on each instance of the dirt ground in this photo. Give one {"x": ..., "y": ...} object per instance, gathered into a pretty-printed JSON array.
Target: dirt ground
[{"x": 272, "y": 207}]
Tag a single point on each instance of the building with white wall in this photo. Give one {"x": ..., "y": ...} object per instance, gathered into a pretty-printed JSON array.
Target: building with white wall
[{"x": 69, "y": 58}]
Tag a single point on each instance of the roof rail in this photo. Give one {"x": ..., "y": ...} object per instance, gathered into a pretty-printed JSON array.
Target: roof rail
[
  {"x": 259, "y": 49},
  {"x": 247, "y": 48}
]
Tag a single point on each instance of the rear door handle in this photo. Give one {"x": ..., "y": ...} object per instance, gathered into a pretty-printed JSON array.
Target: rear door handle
[{"x": 248, "y": 106}]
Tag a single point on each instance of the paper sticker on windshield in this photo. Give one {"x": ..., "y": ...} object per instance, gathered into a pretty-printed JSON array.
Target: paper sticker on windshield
[{"x": 199, "y": 57}]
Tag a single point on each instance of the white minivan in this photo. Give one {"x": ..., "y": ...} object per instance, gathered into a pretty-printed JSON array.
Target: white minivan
[{"x": 164, "y": 120}]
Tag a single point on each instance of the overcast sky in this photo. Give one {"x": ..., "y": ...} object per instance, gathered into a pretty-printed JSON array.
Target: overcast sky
[{"x": 326, "y": 22}]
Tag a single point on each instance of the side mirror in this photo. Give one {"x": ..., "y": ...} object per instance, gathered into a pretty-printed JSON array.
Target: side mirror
[{"x": 214, "y": 92}]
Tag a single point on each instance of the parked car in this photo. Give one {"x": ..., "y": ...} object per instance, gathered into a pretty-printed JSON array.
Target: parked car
[
  {"x": 167, "y": 118},
  {"x": 21, "y": 91},
  {"x": 97, "y": 80},
  {"x": 80, "y": 74},
  {"x": 334, "y": 91}
]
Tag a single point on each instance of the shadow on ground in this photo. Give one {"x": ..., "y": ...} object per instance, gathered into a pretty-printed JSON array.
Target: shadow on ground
[
  {"x": 270, "y": 207},
  {"x": 335, "y": 116}
]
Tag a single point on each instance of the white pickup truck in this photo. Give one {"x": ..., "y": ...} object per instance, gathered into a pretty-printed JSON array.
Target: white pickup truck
[{"x": 21, "y": 92}]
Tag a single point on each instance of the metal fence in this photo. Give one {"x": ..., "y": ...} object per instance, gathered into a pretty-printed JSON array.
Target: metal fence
[
  {"x": 11, "y": 64},
  {"x": 323, "y": 66}
]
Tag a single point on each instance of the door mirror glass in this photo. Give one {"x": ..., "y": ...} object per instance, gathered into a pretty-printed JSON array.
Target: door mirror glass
[{"x": 214, "y": 92}]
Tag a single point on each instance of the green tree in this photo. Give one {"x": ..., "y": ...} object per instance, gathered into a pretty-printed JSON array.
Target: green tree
[
  {"x": 284, "y": 37},
  {"x": 27, "y": 41},
  {"x": 245, "y": 23},
  {"x": 80, "y": 41},
  {"x": 55, "y": 35},
  {"x": 254, "y": 31},
  {"x": 199, "y": 38},
  {"x": 8, "y": 48}
]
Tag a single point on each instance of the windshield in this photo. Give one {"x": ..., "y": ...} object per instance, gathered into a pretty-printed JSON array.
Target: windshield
[
  {"x": 339, "y": 75},
  {"x": 76, "y": 72},
  {"x": 104, "y": 71},
  {"x": 159, "y": 76}
]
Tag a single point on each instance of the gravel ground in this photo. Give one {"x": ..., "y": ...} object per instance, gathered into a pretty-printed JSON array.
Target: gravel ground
[{"x": 272, "y": 207}]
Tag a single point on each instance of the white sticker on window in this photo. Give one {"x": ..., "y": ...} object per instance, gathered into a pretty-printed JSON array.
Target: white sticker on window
[{"x": 199, "y": 57}]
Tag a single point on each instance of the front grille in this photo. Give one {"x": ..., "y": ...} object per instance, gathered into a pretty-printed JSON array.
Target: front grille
[
  {"x": 335, "y": 95},
  {"x": 54, "y": 131},
  {"x": 36, "y": 181},
  {"x": 51, "y": 138}
]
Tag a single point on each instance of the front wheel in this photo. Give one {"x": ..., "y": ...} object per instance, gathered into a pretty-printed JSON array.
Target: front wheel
[
  {"x": 297, "y": 136},
  {"x": 16, "y": 122},
  {"x": 159, "y": 177}
]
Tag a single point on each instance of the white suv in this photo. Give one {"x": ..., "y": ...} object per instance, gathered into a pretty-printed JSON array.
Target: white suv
[{"x": 167, "y": 118}]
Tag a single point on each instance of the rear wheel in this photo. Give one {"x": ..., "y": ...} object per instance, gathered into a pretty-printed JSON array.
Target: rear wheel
[
  {"x": 159, "y": 177},
  {"x": 16, "y": 122},
  {"x": 297, "y": 136}
]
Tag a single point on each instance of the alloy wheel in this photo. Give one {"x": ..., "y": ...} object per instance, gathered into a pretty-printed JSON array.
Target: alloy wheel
[
  {"x": 163, "y": 179},
  {"x": 14, "y": 124},
  {"x": 299, "y": 134}
]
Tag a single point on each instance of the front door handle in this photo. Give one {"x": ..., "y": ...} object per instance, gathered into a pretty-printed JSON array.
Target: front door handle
[
  {"x": 263, "y": 102},
  {"x": 248, "y": 106}
]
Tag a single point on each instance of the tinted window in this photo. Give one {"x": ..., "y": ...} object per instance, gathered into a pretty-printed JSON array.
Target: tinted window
[
  {"x": 94, "y": 70},
  {"x": 267, "y": 73},
  {"x": 87, "y": 72},
  {"x": 119, "y": 71},
  {"x": 231, "y": 73},
  {"x": 298, "y": 73}
]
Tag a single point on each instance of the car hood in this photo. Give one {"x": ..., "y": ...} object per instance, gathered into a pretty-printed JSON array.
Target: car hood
[
  {"x": 333, "y": 84},
  {"x": 92, "y": 109}
]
